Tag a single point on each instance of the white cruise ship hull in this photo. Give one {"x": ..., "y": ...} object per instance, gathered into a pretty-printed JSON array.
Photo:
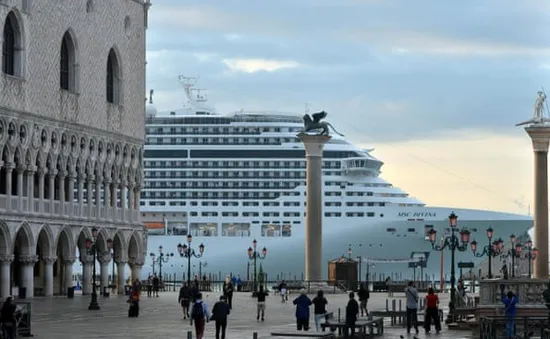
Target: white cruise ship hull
[{"x": 371, "y": 238}]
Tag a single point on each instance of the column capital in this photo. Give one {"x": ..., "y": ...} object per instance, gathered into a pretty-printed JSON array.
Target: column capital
[
  {"x": 540, "y": 136},
  {"x": 131, "y": 185},
  {"x": 136, "y": 262},
  {"x": 6, "y": 258},
  {"x": 28, "y": 259},
  {"x": 86, "y": 258},
  {"x": 9, "y": 166},
  {"x": 31, "y": 168},
  {"x": 314, "y": 144},
  {"x": 121, "y": 260},
  {"x": 104, "y": 258},
  {"x": 69, "y": 260},
  {"x": 63, "y": 173},
  {"x": 72, "y": 174},
  {"x": 52, "y": 172},
  {"x": 49, "y": 260},
  {"x": 20, "y": 168},
  {"x": 42, "y": 170},
  {"x": 90, "y": 177},
  {"x": 107, "y": 179}
]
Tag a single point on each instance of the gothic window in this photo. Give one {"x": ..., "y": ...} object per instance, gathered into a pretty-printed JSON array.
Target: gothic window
[
  {"x": 67, "y": 66},
  {"x": 113, "y": 78},
  {"x": 9, "y": 44}
]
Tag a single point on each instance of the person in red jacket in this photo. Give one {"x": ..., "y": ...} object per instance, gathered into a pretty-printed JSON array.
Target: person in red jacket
[{"x": 432, "y": 311}]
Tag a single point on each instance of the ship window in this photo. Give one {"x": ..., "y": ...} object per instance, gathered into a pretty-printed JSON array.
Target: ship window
[
  {"x": 286, "y": 231},
  {"x": 411, "y": 230},
  {"x": 271, "y": 230},
  {"x": 391, "y": 229},
  {"x": 235, "y": 229},
  {"x": 203, "y": 229}
]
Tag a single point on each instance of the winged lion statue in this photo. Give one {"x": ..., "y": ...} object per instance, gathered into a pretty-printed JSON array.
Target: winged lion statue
[{"x": 314, "y": 123}]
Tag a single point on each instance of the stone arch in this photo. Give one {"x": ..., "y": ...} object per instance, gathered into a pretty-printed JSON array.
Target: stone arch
[
  {"x": 65, "y": 244},
  {"x": 135, "y": 251},
  {"x": 45, "y": 246},
  {"x": 69, "y": 61},
  {"x": 114, "y": 77},
  {"x": 5, "y": 239},
  {"x": 65, "y": 250},
  {"x": 23, "y": 242},
  {"x": 14, "y": 35},
  {"x": 101, "y": 241},
  {"x": 119, "y": 246},
  {"x": 83, "y": 234}
]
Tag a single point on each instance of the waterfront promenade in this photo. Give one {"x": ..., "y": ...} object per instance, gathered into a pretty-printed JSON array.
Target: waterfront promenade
[{"x": 162, "y": 318}]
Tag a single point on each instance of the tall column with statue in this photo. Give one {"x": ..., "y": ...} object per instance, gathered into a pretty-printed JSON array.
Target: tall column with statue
[
  {"x": 314, "y": 136},
  {"x": 538, "y": 129}
]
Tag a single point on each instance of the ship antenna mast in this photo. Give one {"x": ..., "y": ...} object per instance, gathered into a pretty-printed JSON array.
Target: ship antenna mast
[{"x": 188, "y": 83}]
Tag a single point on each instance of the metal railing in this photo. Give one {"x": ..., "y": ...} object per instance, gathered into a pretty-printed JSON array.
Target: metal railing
[{"x": 525, "y": 326}]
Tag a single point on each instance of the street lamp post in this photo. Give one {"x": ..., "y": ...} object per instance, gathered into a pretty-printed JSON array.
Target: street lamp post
[
  {"x": 162, "y": 258},
  {"x": 254, "y": 255},
  {"x": 454, "y": 244},
  {"x": 514, "y": 252},
  {"x": 91, "y": 248},
  {"x": 186, "y": 251},
  {"x": 491, "y": 250},
  {"x": 531, "y": 254}
]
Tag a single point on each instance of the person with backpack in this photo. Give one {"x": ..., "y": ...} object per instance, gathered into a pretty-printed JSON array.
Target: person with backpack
[
  {"x": 509, "y": 300},
  {"x": 364, "y": 295},
  {"x": 199, "y": 316},
  {"x": 220, "y": 311},
  {"x": 412, "y": 307}
]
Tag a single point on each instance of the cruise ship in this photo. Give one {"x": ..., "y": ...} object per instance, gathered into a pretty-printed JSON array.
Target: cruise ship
[{"x": 229, "y": 179}]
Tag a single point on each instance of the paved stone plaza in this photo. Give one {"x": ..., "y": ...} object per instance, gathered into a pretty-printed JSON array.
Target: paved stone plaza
[{"x": 162, "y": 318}]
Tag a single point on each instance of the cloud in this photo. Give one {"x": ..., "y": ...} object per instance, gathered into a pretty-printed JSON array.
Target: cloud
[{"x": 256, "y": 65}]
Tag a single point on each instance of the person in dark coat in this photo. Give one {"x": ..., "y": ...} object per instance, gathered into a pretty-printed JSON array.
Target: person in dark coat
[
  {"x": 228, "y": 292},
  {"x": 302, "y": 311},
  {"x": 352, "y": 311},
  {"x": 220, "y": 311},
  {"x": 184, "y": 299},
  {"x": 319, "y": 309},
  {"x": 7, "y": 318},
  {"x": 156, "y": 285},
  {"x": 363, "y": 299}
]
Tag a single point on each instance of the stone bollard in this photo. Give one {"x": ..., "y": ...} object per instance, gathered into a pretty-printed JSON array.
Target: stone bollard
[
  {"x": 189, "y": 334},
  {"x": 255, "y": 335},
  {"x": 400, "y": 305},
  {"x": 393, "y": 305},
  {"x": 387, "y": 305}
]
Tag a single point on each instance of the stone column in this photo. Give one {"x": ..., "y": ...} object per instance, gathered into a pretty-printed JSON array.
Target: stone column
[
  {"x": 20, "y": 175},
  {"x": 121, "y": 281},
  {"x": 131, "y": 201},
  {"x": 70, "y": 193},
  {"x": 123, "y": 200},
  {"x": 107, "y": 197},
  {"x": 540, "y": 136},
  {"x": 68, "y": 268},
  {"x": 136, "y": 265},
  {"x": 9, "y": 172},
  {"x": 41, "y": 175},
  {"x": 61, "y": 189},
  {"x": 5, "y": 276},
  {"x": 90, "y": 195},
  {"x": 104, "y": 261},
  {"x": 81, "y": 178},
  {"x": 314, "y": 145},
  {"x": 30, "y": 188},
  {"x": 27, "y": 268},
  {"x": 48, "y": 275},
  {"x": 87, "y": 262},
  {"x": 51, "y": 189}
]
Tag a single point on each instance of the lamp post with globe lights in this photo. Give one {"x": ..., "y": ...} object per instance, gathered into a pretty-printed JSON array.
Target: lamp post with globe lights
[
  {"x": 91, "y": 249},
  {"x": 514, "y": 252},
  {"x": 254, "y": 255},
  {"x": 491, "y": 250},
  {"x": 453, "y": 243},
  {"x": 186, "y": 251},
  {"x": 161, "y": 259}
]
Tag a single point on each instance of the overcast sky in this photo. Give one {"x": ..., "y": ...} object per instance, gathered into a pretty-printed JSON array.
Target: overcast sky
[{"x": 427, "y": 83}]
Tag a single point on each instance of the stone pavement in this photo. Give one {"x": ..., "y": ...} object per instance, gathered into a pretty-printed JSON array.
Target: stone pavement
[{"x": 63, "y": 318}]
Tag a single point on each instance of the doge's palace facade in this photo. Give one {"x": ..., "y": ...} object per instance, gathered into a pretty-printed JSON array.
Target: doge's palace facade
[{"x": 72, "y": 86}]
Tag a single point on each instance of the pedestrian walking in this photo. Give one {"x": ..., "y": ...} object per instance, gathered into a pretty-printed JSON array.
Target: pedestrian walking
[
  {"x": 261, "y": 303},
  {"x": 283, "y": 291},
  {"x": 156, "y": 285},
  {"x": 510, "y": 301},
  {"x": 302, "y": 311},
  {"x": 150, "y": 286},
  {"x": 220, "y": 311},
  {"x": 319, "y": 309},
  {"x": 352, "y": 311},
  {"x": 432, "y": 312},
  {"x": 389, "y": 287},
  {"x": 184, "y": 299},
  {"x": 228, "y": 287},
  {"x": 364, "y": 295},
  {"x": 412, "y": 307},
  {"x": 7, "y": 318},
  {"x": 199, "y": 316}
]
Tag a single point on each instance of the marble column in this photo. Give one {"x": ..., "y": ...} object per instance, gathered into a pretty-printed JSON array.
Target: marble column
[
  {"x": 20, "y": 175},
  {"x": 41, "y": 175},
  {"x": 70, "y": 193},
  {"x": 123, "y": 200},
  {"x": 107, "y": 197},
  {"x": 81, "y": 178},
  {"x": 314, "y": 145},
  {"x": 61, "y": 189},
  {"x": 90, "y": 195},
  {"x": 30, "y": 188},
  {"x": 540, "y": 137},
  {"x": 68, "y": 270},
  {"x": 51, "y": 189},
  {"x": 48, "y": 275},
  {"x": 131, "y": 202},
  {"x": 121, "y": 281},
  {"x": 87, "y": 270},
  {"x": 104, "y": 261},
  {"x": 5, "y": 275},
  {"x": 136, "y": 266},
  {"x": 27, "y": 269},
  {"x": 9, "y": 172}
]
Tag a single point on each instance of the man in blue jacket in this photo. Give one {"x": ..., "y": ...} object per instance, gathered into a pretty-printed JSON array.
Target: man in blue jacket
[
  {"x": 302, "y": 311},
  {"x": 510, "y": 301}
]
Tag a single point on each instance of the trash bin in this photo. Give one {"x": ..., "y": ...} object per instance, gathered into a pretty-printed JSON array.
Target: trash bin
[
  {"x": 106, "y": 292},
  {"x": 127, "y": 289},
  {"x": 70, "y": 292},
  {"x": 22, "y": 293}
]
